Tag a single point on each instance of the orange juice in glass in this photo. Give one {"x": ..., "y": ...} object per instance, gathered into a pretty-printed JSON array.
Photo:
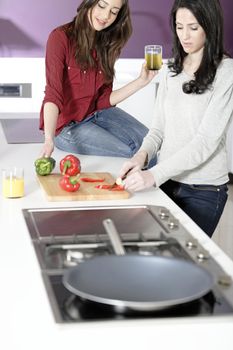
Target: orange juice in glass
[
  {"x": 153, "y": 57},
  {"x": 13, "y": 182}
]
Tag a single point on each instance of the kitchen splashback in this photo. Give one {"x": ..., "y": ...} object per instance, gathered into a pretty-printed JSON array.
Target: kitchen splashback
[{"x": 24, "y": 36}]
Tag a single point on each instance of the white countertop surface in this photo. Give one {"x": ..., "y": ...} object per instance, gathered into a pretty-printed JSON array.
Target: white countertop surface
[{"x": 26, "y": 320}]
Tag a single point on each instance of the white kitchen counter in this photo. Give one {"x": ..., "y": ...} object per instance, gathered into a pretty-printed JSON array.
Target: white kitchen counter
[{"x": 26, "y": 320}]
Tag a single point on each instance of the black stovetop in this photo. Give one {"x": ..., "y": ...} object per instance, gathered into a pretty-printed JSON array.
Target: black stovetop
[
  {"x": 68, "y": 308},
  {"x": 64, "y": 238}
]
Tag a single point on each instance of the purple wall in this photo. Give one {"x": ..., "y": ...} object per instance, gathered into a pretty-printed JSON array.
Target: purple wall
[{"x": 25, "y": 25}]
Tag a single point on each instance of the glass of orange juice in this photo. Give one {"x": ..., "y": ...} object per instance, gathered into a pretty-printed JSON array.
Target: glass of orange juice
[
  {"x": 13, "y": 182},
  {"x": 153, "y": 56}
]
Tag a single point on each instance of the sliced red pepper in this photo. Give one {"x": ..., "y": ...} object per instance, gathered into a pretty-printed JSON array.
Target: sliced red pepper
[
  {"x": 118, "y": 188},
  {"x": 69, "y": 183},
  {"x": 110, "y": 187},
  {"x": 70, "y": 165},
  {"x": 89, "y": 179},
  {"x": 103, "y": 187}
]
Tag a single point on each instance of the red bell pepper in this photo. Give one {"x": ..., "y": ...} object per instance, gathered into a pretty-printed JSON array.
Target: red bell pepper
[
  {"x": 70, "y": 165},
  {"x": 69, "y": 183}
]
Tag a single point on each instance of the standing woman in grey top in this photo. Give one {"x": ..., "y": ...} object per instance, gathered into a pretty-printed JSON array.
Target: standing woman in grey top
[{"x": 193, "y": 110}]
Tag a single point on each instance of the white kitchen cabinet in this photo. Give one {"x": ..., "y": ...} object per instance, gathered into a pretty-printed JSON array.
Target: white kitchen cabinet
[
  {"x": 141, "y": 104},
  {"x": 29, "y": 71}
]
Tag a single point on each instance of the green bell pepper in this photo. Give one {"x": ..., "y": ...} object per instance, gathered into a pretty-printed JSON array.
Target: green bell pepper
[{"x": 44, "y": 165}]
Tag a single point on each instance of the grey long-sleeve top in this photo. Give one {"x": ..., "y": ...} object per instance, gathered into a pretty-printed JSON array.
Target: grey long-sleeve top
[{"x": 189, "y": 130}]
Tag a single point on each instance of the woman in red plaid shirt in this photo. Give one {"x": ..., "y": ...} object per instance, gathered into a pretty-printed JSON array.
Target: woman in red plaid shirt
[{"x": 79, "y": 113}]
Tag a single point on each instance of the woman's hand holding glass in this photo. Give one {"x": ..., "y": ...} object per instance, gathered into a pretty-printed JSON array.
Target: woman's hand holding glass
[{"x": 147, "y": 75}]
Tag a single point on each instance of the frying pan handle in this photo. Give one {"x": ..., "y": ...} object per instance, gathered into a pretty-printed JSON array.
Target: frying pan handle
[{"x": 114, "y": 237}]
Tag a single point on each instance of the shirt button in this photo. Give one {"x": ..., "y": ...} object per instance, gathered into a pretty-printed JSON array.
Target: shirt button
[
  {"x": 68, "y": 67},
  {"x": 84, "y": 71},
  {"x": 100, "y": 72}
]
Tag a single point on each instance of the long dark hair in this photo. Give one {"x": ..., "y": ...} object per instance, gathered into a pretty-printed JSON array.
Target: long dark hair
[
  {"x": 107, "y": 43},
  {"x": 209, "y": 15}
]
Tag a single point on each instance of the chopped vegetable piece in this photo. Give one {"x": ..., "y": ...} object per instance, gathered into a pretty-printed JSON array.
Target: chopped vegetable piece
[
  {"x": 89, "y": 179},
  {"x": 103, "y": 187},
  {"x": 110, "y": 187},
  {"x": 120, "y": 181},
  {"x": 117, "y": 188}
]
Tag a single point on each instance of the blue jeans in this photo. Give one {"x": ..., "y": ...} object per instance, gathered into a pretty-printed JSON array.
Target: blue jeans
[
  {"x": 203, "y": 203},
  {"x": 110, "y": 132}
]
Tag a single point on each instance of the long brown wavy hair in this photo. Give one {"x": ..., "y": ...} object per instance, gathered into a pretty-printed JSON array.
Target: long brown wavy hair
[{"x": 107, "y": 43}]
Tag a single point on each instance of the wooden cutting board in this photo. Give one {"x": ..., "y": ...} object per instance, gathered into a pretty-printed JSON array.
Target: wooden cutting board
[{"x": 87, "y": 191}]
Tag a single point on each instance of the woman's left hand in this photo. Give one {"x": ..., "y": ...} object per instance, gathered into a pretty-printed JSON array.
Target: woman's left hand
[
  {"x": 147, "y": 75},
  {"x": 139, "y": 180}
]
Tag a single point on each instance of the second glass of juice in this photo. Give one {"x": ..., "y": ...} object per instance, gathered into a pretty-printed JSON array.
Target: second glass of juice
[
  {"x": 153, "y": 57},
  {"x": 13, "y": 182}
]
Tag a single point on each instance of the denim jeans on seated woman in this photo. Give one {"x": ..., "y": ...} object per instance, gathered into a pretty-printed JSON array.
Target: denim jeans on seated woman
[
  {"x": 203, "y": 203},
  {"x": 110, "y": 132}
]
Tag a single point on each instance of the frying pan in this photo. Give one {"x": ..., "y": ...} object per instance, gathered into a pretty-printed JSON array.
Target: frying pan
[{"x": 137, "y": 282}]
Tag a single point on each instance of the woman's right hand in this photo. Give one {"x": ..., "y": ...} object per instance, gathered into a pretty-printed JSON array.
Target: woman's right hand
[
  {"x": 50, "y": 121},
  {"x": 47, "y": 148},
  {"x": 136, "y": 163}
]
